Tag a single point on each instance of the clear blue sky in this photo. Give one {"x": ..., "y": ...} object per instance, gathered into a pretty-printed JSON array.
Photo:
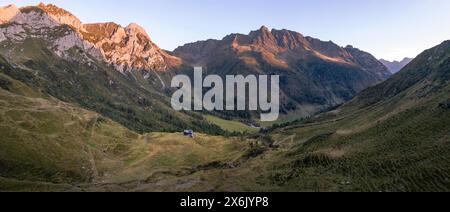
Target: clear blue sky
[{"x": 390, "y": 29}]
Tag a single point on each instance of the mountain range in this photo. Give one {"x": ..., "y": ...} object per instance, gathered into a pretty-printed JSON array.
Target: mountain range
[
  {"x": 315, "y": 75},
  {"x": 50, "y": 50},
  {"x": 396, "y": 66}
]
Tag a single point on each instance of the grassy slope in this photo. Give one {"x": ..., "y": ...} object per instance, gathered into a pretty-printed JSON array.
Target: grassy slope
[
  {"x": 47, "y": 140},
  {"x": 393, "y": 137},
  {"x": 396, "y": 140},
  {"x": 49, "y": 145},
  {"x": 398, "y": 147},
  {"x": 231, "y": 126}
]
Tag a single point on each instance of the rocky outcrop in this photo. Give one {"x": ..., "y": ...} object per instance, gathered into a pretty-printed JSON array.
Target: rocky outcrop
[
  {"x": 12, "y": 32},
  {"x": 36, "y": 22},
  {"x": 2, "y": 37},
  {"x": 129, "y": 48}
]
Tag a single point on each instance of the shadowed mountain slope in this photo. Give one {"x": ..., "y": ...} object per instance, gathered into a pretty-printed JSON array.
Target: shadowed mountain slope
[{"x": 315, "y": 75}]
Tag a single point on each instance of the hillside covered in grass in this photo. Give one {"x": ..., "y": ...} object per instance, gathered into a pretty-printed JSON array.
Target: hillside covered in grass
[
  {"x": 49, "y": 145},
  {"x": 393, "y": 137}
]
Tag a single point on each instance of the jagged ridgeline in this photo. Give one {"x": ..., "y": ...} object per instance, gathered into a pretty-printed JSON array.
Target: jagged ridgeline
[
  {"x": 114, "y": 71},
  {"x": 314, "y": 75},
  {"x": 130, "y": 72}
]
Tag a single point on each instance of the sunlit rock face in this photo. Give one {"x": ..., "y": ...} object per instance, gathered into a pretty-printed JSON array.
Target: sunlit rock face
[
  {"x": 61, "y": 16},
  {"x": 126, "y": 49}
]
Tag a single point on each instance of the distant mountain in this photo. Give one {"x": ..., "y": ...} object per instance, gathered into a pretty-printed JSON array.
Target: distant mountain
[
  {"x": 396, "y": 66},
  {"x": 315, "y": 75}
]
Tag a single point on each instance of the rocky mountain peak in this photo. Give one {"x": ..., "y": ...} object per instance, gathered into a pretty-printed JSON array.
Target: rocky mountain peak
[
  {"x": 263, "y": 38},
  {"x": 263, "y": 34},
  {"x": 135, "y": 28},
  {"x": 47, "y": 22},
  {"x": 127, "y": 49},
  {"x": 279, "y": 41},
  {"x": 264, "y": 28},
  {"x": 60, "y": 15},
  {"x": 289, "y": 39}
]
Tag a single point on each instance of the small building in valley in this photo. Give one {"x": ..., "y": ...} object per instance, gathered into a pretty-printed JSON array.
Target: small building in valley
[{"x": 189, "y": 133}]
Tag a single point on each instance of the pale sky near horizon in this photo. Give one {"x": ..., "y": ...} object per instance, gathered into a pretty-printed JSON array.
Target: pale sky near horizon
[{"x": 389, "y": 29}]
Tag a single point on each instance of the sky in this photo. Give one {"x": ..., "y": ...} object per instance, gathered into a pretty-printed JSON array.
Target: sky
[{"x": 389, "y": 29}]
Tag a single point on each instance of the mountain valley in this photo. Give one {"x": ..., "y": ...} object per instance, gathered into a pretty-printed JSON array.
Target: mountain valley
[{"x": 86, "y": 107}]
